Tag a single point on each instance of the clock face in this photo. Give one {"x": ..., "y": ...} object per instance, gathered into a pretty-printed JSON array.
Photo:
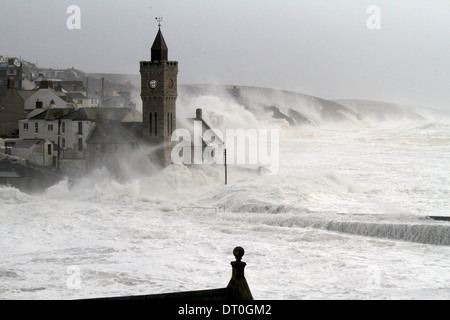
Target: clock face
[
  {"x": 153, "y": 84},
  {"x": 170, "y": 83}
]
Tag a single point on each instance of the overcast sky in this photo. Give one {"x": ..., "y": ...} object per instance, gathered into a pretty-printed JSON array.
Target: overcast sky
[{"x": 318, "y": 47}]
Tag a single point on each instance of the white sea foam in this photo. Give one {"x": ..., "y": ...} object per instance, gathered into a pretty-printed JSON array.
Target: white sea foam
[{"x": 344, "y": 218}]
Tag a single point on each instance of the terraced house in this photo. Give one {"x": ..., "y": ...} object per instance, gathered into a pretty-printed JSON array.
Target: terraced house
[{"x": 68, "y": 129}]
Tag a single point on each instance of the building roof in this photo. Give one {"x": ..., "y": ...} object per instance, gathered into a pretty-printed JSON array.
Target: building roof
[
  {"x": 159, "y": 48},
  {"x": 87, "y": 114},
  {"x": 8, "y": 172},
  {"x": 28, "y": 143},
  {"x": 66, "y": 98},
  {"x": 53, "y": 114},
  {"x": 25, "y": 94},
  {"x": 28, "y": 85},
  {"x": 115, "y": 132},
  {"x": 44, "y": 93},
  {"x": 76, "y": 95},
  {"x": 93, "y": 114}
]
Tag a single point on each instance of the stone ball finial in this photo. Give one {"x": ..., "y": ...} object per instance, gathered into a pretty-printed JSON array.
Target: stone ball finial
[{"x": 238, "y": 252}]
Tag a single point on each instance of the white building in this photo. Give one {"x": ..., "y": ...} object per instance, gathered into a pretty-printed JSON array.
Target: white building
[
  {"x": 72, "y": 126},
  {"x": 44, "y": 98},
  {"x": 39, "y": 152}
]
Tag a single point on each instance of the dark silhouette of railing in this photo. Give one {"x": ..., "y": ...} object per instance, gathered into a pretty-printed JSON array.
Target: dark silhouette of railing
[{"x": 237, "y": 288}]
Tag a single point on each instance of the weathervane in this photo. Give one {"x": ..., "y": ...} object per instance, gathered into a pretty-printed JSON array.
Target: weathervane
[{"x": 159, "y": 20}]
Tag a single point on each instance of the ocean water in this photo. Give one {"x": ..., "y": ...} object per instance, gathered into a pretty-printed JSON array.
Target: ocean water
[{"x": 345, "y": 216}]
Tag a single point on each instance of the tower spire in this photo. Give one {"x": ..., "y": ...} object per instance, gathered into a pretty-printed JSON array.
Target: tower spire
[{"x": 159, "y": 47}]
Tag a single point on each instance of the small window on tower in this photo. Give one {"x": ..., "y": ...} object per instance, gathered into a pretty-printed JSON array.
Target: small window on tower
[{"x": 150, "y": 124}]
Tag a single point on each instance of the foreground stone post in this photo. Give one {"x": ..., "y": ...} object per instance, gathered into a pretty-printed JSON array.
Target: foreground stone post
[{"x": 238, "y": 283}]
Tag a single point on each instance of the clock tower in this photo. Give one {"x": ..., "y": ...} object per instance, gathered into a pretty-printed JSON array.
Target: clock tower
[{"x": 159, "y": 95}]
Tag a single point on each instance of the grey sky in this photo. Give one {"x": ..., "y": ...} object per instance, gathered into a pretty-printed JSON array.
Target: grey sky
[{"x": 318, "y": 47}]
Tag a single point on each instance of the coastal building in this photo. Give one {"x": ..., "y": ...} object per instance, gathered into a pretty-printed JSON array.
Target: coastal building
[
  {"x": 39, "y": 152},
  {"x": 16, "y": 105},
  {"x": 70, "y": 128},
  {"x": 12, "y": 109},
  {"x": 58, "y": 124},
  {"x": 111, "y": 141}
]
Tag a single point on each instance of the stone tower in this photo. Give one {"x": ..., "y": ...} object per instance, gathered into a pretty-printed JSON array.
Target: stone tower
[{"x": 159, "y": 96}]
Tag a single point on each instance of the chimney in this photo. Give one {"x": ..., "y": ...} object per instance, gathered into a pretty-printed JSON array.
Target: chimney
[{"x": 198, "y": 114}]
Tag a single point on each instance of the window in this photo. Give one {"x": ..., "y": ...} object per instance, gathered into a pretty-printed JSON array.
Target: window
[
  {"x": 63, "y": 127},
  {"x": 80, "y": 145},
  {"x": 36, "y": 127},
  {"x": 80, "y": 127},
  {"x": 168, "y": 123},
  {"x": 50, "y": 127},
  {"x": 63, "y": 143},
  {"x": 25, "y": 126},
  {"x": 150, "y": 123},
  {"x": 156, "y": 124},
  {"x": 49, "y": 149}
]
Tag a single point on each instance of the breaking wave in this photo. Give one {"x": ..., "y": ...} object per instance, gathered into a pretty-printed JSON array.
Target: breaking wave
[
  {"x": 428, "y": 234},
  {"x": 10, "y": 195},
  {"x": 435, "y": 234}
]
